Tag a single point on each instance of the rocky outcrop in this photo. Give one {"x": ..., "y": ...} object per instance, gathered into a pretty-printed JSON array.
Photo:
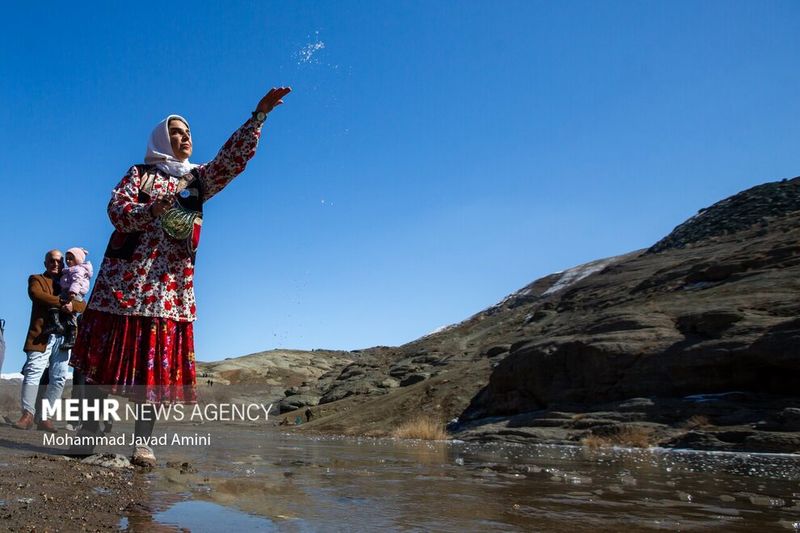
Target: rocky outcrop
[
  {"x": 354, "y": 379},
  {"x": 736, "y": 421},
  {"x": 297, "y": 401},
  {"x": 267, "y": 377},
  {"x": 613, "y": 347},
  {"x": 625, "y": 335},
  {"x": 741, "y": 211}
]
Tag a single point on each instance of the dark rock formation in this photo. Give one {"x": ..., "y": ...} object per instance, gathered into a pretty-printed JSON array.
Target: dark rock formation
[
  {"x": 297, "y": 401},
  {"x": 741, "y": 211},
  {"x": 722, "y": 315}
]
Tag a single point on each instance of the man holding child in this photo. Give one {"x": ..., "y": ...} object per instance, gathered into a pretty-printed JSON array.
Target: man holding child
[{"x": 45, "y": 349}]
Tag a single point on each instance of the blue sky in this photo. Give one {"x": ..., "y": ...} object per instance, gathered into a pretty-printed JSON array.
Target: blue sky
[{"x": 433, "y": 157}]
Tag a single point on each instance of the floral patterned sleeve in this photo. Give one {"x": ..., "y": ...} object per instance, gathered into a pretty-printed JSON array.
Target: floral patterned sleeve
[
  {"x": 124, "y": 210},
  {"x": 231, "y": 159}
]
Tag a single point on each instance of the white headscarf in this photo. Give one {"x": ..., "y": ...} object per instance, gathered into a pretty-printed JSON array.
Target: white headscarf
[{"x": 159, "y": 150}]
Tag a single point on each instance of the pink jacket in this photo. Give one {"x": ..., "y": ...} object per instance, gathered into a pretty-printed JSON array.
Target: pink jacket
[{"x": 75, "y": 279}]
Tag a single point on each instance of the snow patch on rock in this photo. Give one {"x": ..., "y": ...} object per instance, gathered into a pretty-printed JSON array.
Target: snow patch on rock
[{"x": 574, "y": 275}]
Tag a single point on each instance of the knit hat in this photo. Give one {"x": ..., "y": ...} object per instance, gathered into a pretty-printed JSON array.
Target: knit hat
[{"x": 79, "y": 254}]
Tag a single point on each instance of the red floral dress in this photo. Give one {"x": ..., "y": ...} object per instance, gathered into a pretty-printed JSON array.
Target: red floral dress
[{"x": 136, "y": 334}]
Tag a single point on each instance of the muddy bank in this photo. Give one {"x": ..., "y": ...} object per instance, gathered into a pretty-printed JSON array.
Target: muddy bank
[
  {"x": 42, "y": 489},
  {"x": 54, "y": 493}
]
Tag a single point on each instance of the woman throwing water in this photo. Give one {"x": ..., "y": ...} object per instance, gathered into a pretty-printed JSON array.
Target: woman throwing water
[{"x": 136, "y": 337}]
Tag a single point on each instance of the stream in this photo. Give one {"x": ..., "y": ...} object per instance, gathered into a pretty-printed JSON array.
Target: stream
[{"x": 262, "y": 479}]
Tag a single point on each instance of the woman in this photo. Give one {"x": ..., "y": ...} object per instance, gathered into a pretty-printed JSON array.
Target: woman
[{"x": 136, "y": 337}]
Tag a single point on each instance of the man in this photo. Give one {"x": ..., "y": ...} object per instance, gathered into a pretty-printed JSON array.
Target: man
[
  {"x": 2, "y": 342},
  {"x": 42, "y": 349}
]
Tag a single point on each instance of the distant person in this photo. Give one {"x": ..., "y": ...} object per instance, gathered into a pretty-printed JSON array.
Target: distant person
[
  {"x": 2, "y": 343},
  {"x": 309, "y": 414},
  {"x": 136, "y": 337},
  {"x": 43, "y": 350},
  {"x": 74, "y": 282}
]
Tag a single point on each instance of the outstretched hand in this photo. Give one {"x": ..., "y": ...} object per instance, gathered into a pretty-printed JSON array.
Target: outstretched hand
[{"x": 272, "y": 99}]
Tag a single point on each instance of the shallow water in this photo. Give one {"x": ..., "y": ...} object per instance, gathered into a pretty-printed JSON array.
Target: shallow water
[{"x": 262, "y": 480}]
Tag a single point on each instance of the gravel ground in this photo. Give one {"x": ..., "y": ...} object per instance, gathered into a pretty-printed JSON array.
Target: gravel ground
[{"x": 42, "y": 490}]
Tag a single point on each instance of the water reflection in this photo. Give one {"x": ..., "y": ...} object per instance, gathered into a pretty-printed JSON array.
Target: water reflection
[
  {"x": 301, "y": 483},
  {"x": 199, "y": 517}
]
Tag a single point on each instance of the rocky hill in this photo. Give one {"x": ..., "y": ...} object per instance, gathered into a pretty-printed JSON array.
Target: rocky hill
[
  {"x": 755, "y": 206},
  {"x": 694, "y": 342},
  {"x": 265, "y": 377}
]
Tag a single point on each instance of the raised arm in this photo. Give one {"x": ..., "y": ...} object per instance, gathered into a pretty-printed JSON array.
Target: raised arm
[
  {"x": 240, "y": 148},
  {"x": 124, "y": 209}
]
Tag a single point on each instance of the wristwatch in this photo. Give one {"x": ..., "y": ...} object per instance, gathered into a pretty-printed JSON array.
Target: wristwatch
[{"x": 260, "y": 116}]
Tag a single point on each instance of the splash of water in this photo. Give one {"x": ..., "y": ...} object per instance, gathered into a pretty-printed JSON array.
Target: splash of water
[{"x": 306, "y": 54}]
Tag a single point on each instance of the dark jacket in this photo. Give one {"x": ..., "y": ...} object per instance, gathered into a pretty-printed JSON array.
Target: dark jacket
[{"x": 43, "y": 291}]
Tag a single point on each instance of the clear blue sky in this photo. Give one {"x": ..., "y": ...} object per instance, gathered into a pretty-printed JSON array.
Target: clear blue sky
[{"x": 433, "y": 157}]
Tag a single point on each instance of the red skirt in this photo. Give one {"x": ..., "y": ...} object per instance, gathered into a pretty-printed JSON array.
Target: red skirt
[{"x": 147, "y": 359}]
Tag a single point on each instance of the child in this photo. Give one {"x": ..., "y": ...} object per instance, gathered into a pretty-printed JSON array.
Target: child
[{"x": 74, "y": 284}]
